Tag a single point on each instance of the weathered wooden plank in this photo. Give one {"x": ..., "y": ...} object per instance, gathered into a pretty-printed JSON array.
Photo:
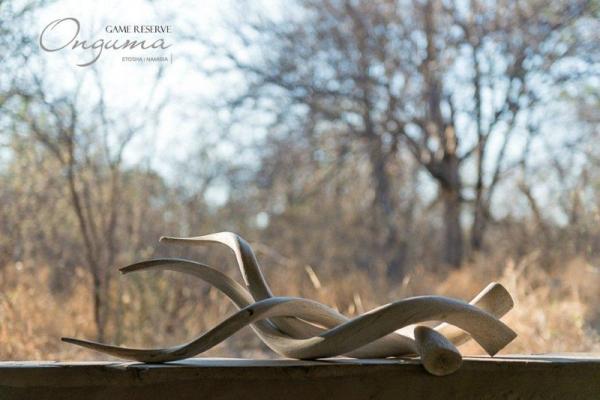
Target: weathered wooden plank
[{"x": 511, "y": 377}]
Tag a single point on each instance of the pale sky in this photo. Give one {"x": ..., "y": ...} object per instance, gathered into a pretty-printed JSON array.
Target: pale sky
[{"x": 130, "y": 83}]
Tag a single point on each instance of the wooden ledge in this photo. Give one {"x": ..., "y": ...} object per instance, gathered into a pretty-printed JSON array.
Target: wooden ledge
[{"x": 552, "y": 376}]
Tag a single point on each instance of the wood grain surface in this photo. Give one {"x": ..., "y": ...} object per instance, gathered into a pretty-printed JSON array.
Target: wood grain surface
[{"x": 570, "y": 376}]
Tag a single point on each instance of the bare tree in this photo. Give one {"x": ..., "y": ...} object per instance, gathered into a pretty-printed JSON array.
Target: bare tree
[
  {"x": 89, "y": 147},
  {"x": 444, "y": 81}
]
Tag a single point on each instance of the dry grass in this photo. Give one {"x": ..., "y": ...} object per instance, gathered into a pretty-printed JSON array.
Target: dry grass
[{"x": 555, "y": 307}]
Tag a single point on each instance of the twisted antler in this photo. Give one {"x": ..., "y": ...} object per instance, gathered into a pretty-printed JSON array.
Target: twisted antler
[{"x": 305, "y": 329}]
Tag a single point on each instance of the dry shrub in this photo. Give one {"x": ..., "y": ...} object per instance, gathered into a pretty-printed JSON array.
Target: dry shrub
[
  {"x": 32, "y": 319},
  {"x": 554, "y": 307}
]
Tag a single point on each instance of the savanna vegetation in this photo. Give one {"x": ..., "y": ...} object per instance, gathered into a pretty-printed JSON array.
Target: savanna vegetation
[{"x": 368, "y": 150}]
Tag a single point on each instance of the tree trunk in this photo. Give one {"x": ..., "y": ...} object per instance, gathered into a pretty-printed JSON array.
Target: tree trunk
[
  {"x": 394, "y": 247},
  {"x": 98, "y": 304},
  {"x": 478, "y": 229},
  {"x": 91, "y": 255},
  {"x": 453, "y": 234}
]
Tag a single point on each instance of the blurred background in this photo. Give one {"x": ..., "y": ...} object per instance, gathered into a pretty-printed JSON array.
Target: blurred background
[{"x": 368, "y": 151}]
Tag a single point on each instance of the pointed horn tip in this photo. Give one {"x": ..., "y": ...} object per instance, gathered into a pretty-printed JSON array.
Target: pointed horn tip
[
  {"x": 128, "y": 268},
  {"x": 125, "y": 269},
  {"x": 167, "y": 239},
  {"x": 134, "y": 267}
]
